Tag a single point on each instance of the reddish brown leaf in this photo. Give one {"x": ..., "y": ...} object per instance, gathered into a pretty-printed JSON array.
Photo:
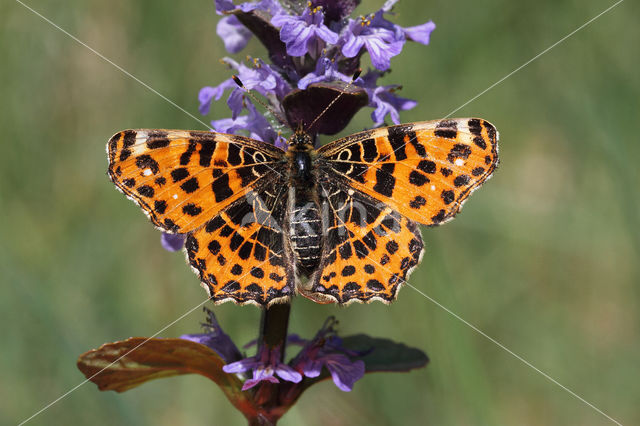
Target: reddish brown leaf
[{"x": 138, "y": 359}]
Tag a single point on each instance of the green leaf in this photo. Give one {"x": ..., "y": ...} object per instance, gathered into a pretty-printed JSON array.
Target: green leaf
[{"x": 384, "y": 354}]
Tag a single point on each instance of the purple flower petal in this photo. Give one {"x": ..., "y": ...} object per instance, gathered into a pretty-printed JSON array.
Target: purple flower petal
[
  {"x": 386, "y": 103},
  {"x": 381, "y": 38},
  {"x": 300, "y": 32},
  {"x": 216, "y": 339},
  {"x": 381, "y": 52},
  {"x": 326, "y": 70},
  {"x": 313, "y": 368},
  {"x": 234, "y": 35},
  {"x": 420, "y": 33},
  {"x": 242, "y": 366},
  {"x": 259, "y": 376},
  {"x": 208, "y": 94},
  {"x": 172, "y": 242},
  {"x": 352, "y": 46},
  {"x": 287, "y": 373},
  {"x": 344, "y": 372},
  {"x": 227, "y": 6},
  {"x": 235, "y": 102}
]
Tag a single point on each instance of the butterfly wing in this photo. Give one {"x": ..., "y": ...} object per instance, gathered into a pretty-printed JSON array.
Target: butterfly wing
[
  {"x": 376, "y": 184},
  {"x": 425, "y": 171},
  {"x": 369, "y": 248},
  {"x": 225, "y": 193},
  {"x": 241, "y": 254},
  {"x": 181, "y": 179}
]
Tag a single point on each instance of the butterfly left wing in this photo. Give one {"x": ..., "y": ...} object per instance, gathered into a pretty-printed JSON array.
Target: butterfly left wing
[
  {"x": 369, "y": 249},
  {"x": 225, "y": 192},
  {"x": 425, "y": 171},
  {"x": 241, "y": 254},
  {"x": 181, "y": 178}
]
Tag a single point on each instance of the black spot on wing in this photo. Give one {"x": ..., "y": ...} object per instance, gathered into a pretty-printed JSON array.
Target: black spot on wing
[
  {"x": 221, "y": 189},
  {"x": 427, "y": 166},
  {"x": 461, "y": 180},
  {"x": 233, "y": 155},
  {"x": 417, "y": 179},
  {"x": 448, "y": 196},
  {"x": 206, "y": 152},
  {"x": 146, "y": 191},
  {"x": 191, "y": 209},
  {"x": 369, "y": 150},
  {"x": 185, "y": 158},
  {"x": 418, "y": 202},
  {"x": 158, "y": 142},
  {"x": 477, "y": 171},
  {"x": 385, "y": 181},
  {"x": 128, "y": 138},
  {"x": 160, "y": 206},
  {"x": 145, "y": 161},
  {"x": 396, "y": 139},
  {"x": 190, "y": 185},
  {"x": 459, "y": 151},
  {"x": 179, "y": 174},
  {"x": 475, "y": 127},
  {"x": 479, "y": 141}
]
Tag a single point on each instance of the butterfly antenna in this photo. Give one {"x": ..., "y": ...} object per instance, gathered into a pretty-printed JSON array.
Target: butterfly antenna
[
  {"x": 353, "y": 79},
  {"x": 258, "y": 100}
]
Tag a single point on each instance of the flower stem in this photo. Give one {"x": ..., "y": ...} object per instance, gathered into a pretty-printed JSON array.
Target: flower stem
[
  {"x": 273, "y": 327},
  {"x": 272, "y": 339}
]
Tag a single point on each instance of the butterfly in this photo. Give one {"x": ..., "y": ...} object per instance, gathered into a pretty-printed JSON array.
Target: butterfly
[{"x": 336, "y": 224}]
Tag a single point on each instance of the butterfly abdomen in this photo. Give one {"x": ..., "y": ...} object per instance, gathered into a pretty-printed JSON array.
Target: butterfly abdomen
[
  {"x": 305, "y": 225},
  {"x": 305, "y": 231}
]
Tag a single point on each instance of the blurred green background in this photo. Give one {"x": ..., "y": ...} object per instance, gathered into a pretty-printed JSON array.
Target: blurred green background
[{"x": 544, "y": 257}]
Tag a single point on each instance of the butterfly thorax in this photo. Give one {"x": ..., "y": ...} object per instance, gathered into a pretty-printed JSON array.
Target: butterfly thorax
[{"x": 305, "y": 225}]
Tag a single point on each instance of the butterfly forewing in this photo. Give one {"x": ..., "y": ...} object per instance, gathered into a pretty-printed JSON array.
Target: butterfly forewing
[
  {"x": 183, "y": 178},
  {"x": 425, "y": 171}
]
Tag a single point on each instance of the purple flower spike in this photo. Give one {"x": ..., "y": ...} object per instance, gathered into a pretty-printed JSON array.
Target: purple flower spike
[
  {"x": 216, "y": 339},
  {"x": 300, "y": 33},
  {"x": 234, "y": 35},
  {"x": 172, "y": 242},
  {"x": 264, "y": 366}
]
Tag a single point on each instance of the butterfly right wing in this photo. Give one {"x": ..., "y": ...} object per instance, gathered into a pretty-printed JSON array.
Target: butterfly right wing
[{"x": 181, "y": 178}]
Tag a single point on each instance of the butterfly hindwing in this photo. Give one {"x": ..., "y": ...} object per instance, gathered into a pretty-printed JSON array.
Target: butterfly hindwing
[
  {"x": 369, "y": 249},
  {"x": 241, "y": 254},
  {"x": 425, "y": 170},
  {"x": 182, "y": 178}
]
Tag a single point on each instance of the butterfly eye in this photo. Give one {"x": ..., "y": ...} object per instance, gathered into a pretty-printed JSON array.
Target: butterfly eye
[
  {"x": 344, "y": 155},
  {"x": 259, "y": 157}
]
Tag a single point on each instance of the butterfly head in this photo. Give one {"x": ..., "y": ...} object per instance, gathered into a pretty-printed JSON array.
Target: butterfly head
[{"x": 300, "y": 140}]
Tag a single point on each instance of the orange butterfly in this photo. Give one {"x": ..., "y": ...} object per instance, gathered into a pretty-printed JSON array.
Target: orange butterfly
[{"x": 336, "y": 224}]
